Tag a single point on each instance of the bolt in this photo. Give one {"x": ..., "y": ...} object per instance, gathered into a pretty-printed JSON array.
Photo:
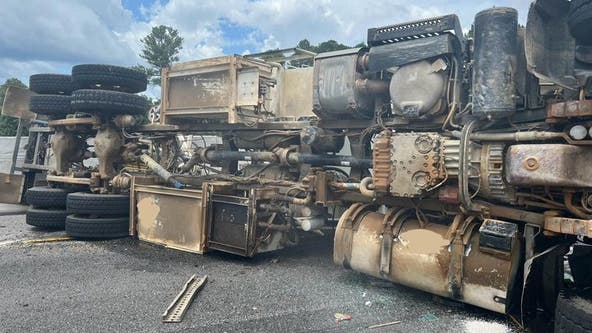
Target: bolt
[{"x": 531, "y": 163}]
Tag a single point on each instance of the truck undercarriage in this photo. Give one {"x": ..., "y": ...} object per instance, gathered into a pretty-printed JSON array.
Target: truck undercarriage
[{"x": 451, "y": 165}]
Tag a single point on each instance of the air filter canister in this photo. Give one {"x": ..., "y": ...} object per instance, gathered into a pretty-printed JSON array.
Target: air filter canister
[{"x": 494, "y": 89}]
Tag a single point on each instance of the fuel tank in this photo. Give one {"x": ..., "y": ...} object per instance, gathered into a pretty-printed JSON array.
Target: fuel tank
[{"x": 481, "y": 274}]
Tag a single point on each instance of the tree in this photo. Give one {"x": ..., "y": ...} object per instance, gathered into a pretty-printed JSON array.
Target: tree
[
  {"x": 161, "y": 49},
  {"x": 161, "y": 46},
  {"x": 8, "y": 125},
  {"x": 330, "y": 45}
]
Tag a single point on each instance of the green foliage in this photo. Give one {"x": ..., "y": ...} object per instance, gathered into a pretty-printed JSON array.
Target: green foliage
[
  {"x": 161, "y": 49},
  {"x": 327, "y": 46},
  {"x": 8, "y": 125},
  {"x": 471, "y": 33},
  {"x": 161, "y": 46}
]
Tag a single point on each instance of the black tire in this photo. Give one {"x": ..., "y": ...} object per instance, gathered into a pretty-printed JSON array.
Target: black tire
[
  {"x": 46, "y": 197},
  {"x": 50, "y": 105},
  {"x": 97, "y": 227},
  {"x": 98, "y": 204},
  {"x": 580, "y": 21},
  {"x": 108, "y": 102},
  {"x": 46, "y": 218},
  {"x": 573, "y": 312},
  {"x": 56, "y": 84},
  {"x": 107, "y": 77}
]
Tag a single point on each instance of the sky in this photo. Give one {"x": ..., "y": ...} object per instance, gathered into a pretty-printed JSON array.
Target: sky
[{"x": 41, "y": 36}]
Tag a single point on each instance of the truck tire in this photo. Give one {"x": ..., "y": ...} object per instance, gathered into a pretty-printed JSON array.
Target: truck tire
[
  {"x": 107, "y": 77},
  {"x": 46, "y": 197},
  {"x": 108, "y": 102},
  {"x": 50, "y": 105},
  {"x": 573, "y": 312},
  {"x": 97, "y": 227},
  {"x": 98, "y": 204},
  {"x": 580, "y": 21},
  {"x": 56, "y": 84},
  {"x": 46, "y": 218}
]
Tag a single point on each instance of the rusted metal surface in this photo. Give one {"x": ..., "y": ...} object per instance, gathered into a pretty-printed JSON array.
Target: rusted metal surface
[
  {"x": 74, "y": 121},
  {"x": 421, "y": 259},
  {"x": 381, "y": 159},
  {"x": 549, "y": 165},
  {"x": 512, "y": 213},
  {"x": 228, "y": 88},
  {"x": 570, "y": 226},
  {"x": 492, "y": 182},
  {"x": 68, "y": 147},
  {"x": 170, "y": 217},
  {"x": 416, "y": 163},
  {"x": 569, "y": 109},
  {"x": 108, "y": 146},
  {"x": 11, "y": 188},
  {"x": 69, "y": 180},
  {"x": 296, "y": 93},
  {"x": 335, "y": 95},
  {"x": 16, "y": 103}
]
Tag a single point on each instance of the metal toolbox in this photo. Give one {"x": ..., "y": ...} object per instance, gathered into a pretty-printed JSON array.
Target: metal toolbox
[{"x": 169, "y": 217}]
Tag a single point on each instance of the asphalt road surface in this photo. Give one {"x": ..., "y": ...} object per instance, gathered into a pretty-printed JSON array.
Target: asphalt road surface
[{"x": 125, "y": 285}]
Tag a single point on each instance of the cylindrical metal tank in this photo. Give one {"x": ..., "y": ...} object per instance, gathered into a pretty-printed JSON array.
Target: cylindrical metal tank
[
  {"x": 494, "y": 87},
  {"x": 335, "y": 93},
  {"x": 321, "y": 140},
  {"x": 420, "y": 258}
]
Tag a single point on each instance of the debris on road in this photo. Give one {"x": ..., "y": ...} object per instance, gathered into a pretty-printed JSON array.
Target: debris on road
[
  {"x": 339, "y": 317},
  {"x": 175, "y": 312},
  {"x": 47, "y": 240},
  {"x": 384, "y": 324}
]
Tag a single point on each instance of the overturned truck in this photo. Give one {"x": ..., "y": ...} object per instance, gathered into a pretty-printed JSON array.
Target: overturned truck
[{"x": 455, "y": 166}]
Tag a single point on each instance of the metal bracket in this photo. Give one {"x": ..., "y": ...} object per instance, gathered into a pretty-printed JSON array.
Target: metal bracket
[
  {"x": 388, "y": 235},
  {"x": 462, "y": 237},
  {"x": 175, "y": 312}
]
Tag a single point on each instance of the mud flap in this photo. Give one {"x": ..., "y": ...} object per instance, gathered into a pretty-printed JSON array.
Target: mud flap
[
  {"x": 16, "y": 103},
  {"x": 11, "y": 188},
  {"x": 543, "y": 278}
]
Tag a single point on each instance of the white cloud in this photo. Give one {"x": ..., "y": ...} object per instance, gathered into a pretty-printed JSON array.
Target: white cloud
[{"x": 43, "y": 35}]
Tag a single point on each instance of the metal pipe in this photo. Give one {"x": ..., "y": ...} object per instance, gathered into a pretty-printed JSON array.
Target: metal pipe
[
  {"x": 160, "y": 171},
  {"x": 345, "y": 186},
  {"x": 210, "y": 155},
  {"x": 294, "y": 158},
  {"x": 568, "y": 200},
  {"x": 294, "y": 200},
  {"x": 275, "y": 227},
  {"x": 321, "y": 160},
  {"x": 372, "y": 87},
  {"x": 365, "y": 185},
  {"x": 515, "y": 136},
  {"x": 39, "y": 122},
  {"x": 463, "y": 167}
]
